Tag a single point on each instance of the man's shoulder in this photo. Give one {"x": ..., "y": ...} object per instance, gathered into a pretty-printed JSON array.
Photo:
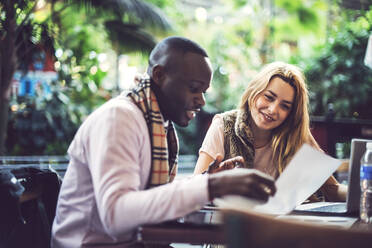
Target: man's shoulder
[
  {"x": 117, "y": 116},
  {"x": 116, "y": 110},
  {"x": 121, "y": 104}
]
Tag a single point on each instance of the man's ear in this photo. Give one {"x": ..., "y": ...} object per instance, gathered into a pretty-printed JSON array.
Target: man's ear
[{"x": 158, "y": 74}]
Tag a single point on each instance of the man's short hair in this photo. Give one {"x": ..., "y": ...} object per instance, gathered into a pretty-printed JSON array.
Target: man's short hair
[{"x": 177, "y": 44}]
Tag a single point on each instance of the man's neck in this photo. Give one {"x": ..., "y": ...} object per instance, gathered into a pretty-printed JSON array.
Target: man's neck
[{"x": 162, "y": 101}]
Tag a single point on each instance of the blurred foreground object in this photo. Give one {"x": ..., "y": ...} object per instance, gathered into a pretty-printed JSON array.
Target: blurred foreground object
[{"x": 368, "y": 57}]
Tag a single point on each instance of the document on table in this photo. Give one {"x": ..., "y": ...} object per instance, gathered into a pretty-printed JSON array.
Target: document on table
[{"x": 304, "y": 175}]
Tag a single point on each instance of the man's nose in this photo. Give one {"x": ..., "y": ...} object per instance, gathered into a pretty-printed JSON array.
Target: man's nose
[{"x": 200, "y": 100}]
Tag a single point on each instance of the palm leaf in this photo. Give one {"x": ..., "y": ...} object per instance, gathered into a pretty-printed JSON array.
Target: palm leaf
[
  {"x": 129, "y": 37},
  {"x": 144, "y": 13},
  {"x": 28, "y": 45}
]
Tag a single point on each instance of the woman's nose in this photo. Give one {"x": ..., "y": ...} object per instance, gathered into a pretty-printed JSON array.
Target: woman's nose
[{"x": 273, "y": 108}]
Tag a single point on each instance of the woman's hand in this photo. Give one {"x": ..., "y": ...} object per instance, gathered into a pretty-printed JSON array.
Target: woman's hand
[{"x": 217, "y": 165}]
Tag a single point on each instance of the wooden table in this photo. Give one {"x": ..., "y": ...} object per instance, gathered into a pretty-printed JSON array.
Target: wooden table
[
  {"x": 200, "y": 227},
  {"x": 197, "y": 230}
]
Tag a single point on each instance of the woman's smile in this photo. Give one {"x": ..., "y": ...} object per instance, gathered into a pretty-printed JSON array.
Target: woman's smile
[{"x": 273, "y": 105}]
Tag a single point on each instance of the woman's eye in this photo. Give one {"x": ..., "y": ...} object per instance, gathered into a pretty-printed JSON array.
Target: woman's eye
[
  {"x": 268, "y": 97},
  {"x": 286, "y": 107}
]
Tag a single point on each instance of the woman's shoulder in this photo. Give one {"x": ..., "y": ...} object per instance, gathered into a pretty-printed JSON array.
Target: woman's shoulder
[
  {"x": 229, "y": 115},
  {"x": 226, "y": 121},
  {"x": 229, "y": 112}
]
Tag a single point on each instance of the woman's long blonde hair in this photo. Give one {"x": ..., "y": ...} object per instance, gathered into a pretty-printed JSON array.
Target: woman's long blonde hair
[{"x": 295, "y": 130}]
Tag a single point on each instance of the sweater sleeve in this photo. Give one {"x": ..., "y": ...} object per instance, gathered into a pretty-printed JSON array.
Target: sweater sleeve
[{"x": 116, "y": 142}]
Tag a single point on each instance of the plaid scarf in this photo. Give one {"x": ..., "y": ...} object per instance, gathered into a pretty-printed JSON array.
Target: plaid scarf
[{"x": 164, "y": 142}]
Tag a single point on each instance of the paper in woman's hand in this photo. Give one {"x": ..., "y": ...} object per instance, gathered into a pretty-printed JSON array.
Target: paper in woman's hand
[{"x": 303, "y": 176}]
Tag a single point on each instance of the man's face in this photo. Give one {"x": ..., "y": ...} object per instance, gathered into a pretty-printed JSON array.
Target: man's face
[{"x": 184, "y": 87}]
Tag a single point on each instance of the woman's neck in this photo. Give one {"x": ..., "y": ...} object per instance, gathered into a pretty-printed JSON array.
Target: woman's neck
[{"x": 261, "y": 137}]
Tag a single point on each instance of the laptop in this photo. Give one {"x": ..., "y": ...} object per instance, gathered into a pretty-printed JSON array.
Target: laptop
[{"x": 351, "y": 206}]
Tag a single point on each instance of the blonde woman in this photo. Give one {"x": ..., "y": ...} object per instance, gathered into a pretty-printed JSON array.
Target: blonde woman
[{"x": 269, "y": 126}]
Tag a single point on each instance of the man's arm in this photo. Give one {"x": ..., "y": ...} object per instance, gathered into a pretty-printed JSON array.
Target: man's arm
[
  {"x": 119, "y": 158},
  {"x": 115, "y": 148},
  {"x": 245, "y": 182}
]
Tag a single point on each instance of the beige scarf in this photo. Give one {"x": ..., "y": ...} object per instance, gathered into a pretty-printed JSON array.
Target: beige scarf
[{"x": 164, "y": 142}]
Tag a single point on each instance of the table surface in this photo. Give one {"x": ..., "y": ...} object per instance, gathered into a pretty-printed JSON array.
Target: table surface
[
  {"x": 200, "y": 227},
  {"x": 205, "y": 227}
]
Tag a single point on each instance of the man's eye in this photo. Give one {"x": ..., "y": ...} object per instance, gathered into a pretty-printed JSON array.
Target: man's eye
[{"x": 194, "y": 89}]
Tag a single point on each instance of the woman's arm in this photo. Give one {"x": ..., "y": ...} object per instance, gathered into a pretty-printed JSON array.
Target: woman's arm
[
  {"x": 333, "y": 190},
  {"x": 206, "y": 164},
  {"x": 212, "y": 145},
  {"x": 203, "y": 162}
]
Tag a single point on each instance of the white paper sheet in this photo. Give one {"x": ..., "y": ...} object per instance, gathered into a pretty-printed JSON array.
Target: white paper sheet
[{"x": 304, "y": 175}]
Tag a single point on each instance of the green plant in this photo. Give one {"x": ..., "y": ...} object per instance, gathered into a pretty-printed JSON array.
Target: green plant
[
  {"x": 41, "y": 125},
  {"x": 338, "y": 75},
  {"x": 25, "y": 25}
]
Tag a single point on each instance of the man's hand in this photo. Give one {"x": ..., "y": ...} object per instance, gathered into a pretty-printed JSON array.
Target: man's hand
[
  {"x": 245, "y": 182},
  {"x": 217, "y": 165}
]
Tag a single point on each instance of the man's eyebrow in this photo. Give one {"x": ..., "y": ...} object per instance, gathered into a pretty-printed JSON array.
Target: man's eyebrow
[
  {"x": 288, "y": 102},
  {"x": 198, "y": 81},
  {"x": 200, "y": 84}
]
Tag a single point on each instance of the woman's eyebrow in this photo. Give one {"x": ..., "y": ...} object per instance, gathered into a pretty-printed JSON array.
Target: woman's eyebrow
[
  {"x": 285, "y": 101},
  {"x": 272, "y": 93}
]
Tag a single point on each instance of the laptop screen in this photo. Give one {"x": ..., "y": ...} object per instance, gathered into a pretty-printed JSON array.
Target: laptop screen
[
  {"x": 351, "y": 207},
  {"x": 358, "y": 147}
]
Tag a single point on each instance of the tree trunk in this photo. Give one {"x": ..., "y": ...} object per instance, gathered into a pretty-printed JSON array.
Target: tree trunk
[
  {"x": 8, "y": 65},
  {"x": 4, "y": 107}
]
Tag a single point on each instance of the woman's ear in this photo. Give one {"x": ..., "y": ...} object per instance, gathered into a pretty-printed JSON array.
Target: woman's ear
[{"x": 158, "y": 74}]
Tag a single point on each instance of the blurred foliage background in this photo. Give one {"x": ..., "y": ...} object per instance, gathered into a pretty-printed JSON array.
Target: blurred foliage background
[{"x": 99, "y": 48}]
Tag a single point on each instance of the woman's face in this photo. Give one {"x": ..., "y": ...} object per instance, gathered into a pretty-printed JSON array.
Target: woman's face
[{"x": 273, "y": 105}]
